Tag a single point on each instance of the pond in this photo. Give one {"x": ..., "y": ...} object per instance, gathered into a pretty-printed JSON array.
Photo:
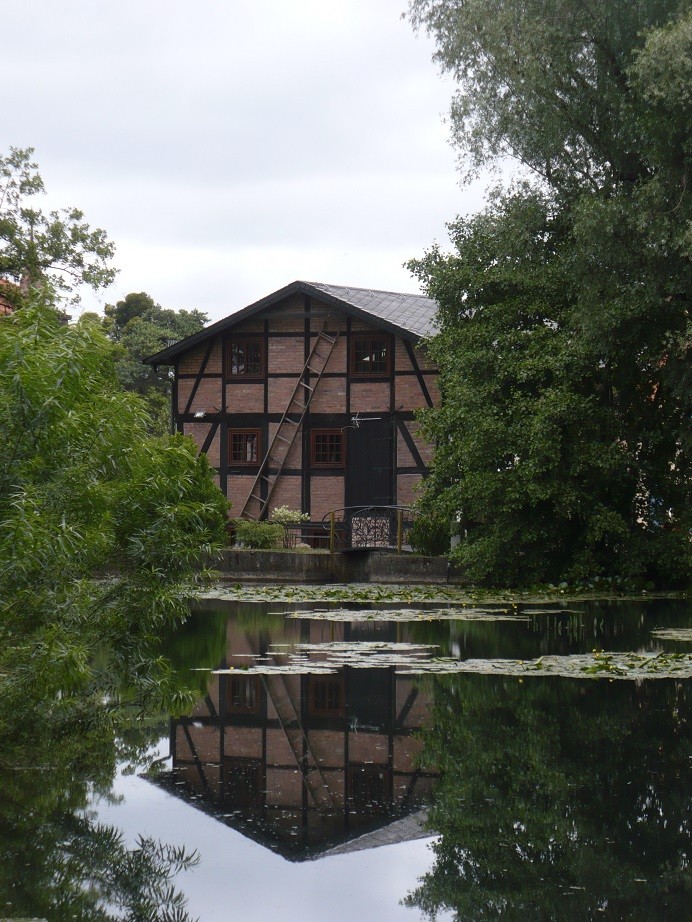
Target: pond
[{"x": 393, "y": 761}]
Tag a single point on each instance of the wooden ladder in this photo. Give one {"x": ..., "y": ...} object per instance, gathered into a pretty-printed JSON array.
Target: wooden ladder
[
  {"x": 306, "y": 760},
  {"x": 284, "y": 437}
]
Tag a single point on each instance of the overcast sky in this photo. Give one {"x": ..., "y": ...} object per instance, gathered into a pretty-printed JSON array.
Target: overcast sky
[{"x": 229, "y": 147}]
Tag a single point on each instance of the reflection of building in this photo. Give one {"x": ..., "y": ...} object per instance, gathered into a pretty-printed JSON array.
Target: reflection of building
[{"x": 301, "y": 762}]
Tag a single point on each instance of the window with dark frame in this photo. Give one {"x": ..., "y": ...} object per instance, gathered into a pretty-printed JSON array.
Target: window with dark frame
[
  {"x": 369, "y": 788},
  {"x": 327, "y": 448},
  {"x": 370, "y": 355},
  {"x": 243, "y": 695},
  {"x": 244, "y": 446},
  {"x": 326, "y": 695},
  {"x": 245, "y": 358}
]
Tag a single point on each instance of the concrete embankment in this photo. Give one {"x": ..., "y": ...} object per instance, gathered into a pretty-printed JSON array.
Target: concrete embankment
[{"x": 361, "y": 566}]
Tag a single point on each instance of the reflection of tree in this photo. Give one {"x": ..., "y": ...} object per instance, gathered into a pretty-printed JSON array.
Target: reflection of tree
[
  {"x": 56, "y": 860},
  {"x": 559, "y": 800}
]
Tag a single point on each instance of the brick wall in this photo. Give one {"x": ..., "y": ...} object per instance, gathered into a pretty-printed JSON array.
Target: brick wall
[
  {"x": 334, "y": 400},
  {"x": 245, "y": 398},
  {"x": 326, "y": 493},
  {"x": 207, "y": 396},
  {"x": 199, "y": 432},
  {"x": 370, "y": 396}
]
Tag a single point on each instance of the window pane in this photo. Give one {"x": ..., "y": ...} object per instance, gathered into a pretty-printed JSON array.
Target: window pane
[
  {"x": 245, "y": 357},
  {"x": 327, "y": 449},
  {"x": 253, "y": 359},
  {"x": 237, "y": 359},
  {"x": 370, "y": 356},
  {"x": 244, "y": 447}
]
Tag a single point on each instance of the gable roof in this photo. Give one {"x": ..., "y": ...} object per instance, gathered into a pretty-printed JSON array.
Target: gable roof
[{"x": 408, "y": 316}]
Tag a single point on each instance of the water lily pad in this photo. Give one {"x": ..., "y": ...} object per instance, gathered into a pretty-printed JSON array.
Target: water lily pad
[
  {"x": 683, "y": 634},
  {"x": 405, "y": 614}
]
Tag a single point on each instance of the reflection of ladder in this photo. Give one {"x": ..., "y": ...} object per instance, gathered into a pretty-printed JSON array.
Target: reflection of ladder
[
  {"x": 284, "y": 437},
  {"x": 312, "y": 774}
]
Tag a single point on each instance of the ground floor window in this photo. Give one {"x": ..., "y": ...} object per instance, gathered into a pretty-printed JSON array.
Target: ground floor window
[
  {"x": 327, "y": 448},
  {"x": 326, "y": 695},
  {"x": 243, "y": 695},
  {"x": 243, "y": 446}
]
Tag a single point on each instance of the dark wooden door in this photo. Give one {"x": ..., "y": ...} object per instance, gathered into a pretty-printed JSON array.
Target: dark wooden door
[{"x": 369, "y": 464}]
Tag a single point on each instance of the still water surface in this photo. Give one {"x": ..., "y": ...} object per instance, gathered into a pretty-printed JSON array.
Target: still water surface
[{"x": 337, "y": 766}]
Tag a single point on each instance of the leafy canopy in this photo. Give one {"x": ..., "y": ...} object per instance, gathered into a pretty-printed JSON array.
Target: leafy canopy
[
  {"x": 564, "y": 344},
  {"x": 84, "y": 490},
  {"x": 38, "y": 248},
  {"x": 140, "y": 327}
]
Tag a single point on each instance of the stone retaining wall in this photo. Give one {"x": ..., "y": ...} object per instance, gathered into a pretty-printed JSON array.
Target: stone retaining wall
[{"x": 367, "y": 566}]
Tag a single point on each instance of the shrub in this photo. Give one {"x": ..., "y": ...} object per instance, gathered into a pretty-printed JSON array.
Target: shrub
[
  {"x": 258, "y": 535},
  {"x": 283, "y": 515},
  {"x": 429, "y": 534}
]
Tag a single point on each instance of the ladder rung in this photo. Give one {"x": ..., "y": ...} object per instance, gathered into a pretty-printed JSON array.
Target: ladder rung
[
  {"x": 282, "y": 437},
  {"x": 303, "y": 384},
  {"x": 255, "y": 496},
  {"x": 330, "y": 339}
]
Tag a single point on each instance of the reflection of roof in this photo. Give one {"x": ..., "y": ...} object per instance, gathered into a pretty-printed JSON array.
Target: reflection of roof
[
  {"x": 385, "y": 830},
  {"x": 406, "y": 829},
  {"x": 409, "y": 316}
]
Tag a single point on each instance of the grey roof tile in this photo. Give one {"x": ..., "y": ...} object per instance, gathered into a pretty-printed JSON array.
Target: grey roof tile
[
  {"x": 412, "y": 316},
  {"x": 414, "y": 313}
]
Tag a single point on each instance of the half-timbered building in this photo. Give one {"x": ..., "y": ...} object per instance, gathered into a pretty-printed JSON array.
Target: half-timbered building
[{"x": 307, "y": 398}]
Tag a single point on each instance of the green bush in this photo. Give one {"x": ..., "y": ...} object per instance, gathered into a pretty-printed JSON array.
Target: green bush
[
  {"x": 429, "y": 534},
  {"x": 261, "y": 536}
]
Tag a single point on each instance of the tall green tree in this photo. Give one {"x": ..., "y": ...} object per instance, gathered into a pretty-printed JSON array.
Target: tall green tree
[
  {"x": 564, "y": 346},
  {"x": 85, "y": 491},
  {"x": 37, "y": 248},
  {"x": 141, "y": 327}
]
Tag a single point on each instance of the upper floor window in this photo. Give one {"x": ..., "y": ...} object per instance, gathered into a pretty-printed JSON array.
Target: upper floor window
[
  {"x": 370, "y": 355},
  {"x": 246, "y": 357}
]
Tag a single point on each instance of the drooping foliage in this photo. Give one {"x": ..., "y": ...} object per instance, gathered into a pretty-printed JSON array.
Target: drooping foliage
[
  {"x": 563, "y": 434},
  {"x": 103, "y": 532},
  {"x": 84, "y": 491}
]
